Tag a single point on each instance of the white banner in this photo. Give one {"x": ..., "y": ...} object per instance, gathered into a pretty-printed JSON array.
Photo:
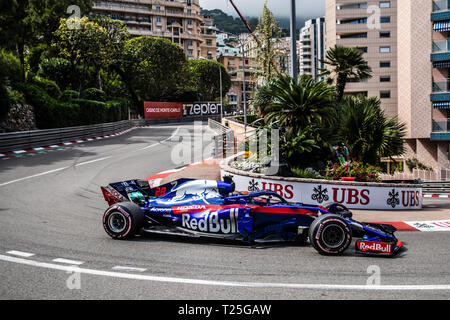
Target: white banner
[{"x": 352, "y": 196}]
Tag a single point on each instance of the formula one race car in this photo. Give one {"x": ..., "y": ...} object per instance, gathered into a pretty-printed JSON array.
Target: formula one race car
[{"x": 203, "y": 208}]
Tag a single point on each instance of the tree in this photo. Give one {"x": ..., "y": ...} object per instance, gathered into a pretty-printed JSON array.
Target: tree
[
  {"x": 367, "y": 132},
  {"x": 299, "y": 104},
  {"x": 148, "y": 72},
  {"x": 345, "y": 63},
  {"x": 87, "y": 45},
  {"x": 205, "y": 77},
  {"x": 269, "y": 34}
]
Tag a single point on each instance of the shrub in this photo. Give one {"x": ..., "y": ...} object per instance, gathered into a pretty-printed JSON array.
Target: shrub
[
  {"x": 43, "y": 104},
  {"x": 307, "y": 173},
  {"x": 57, "y": 69},
  {"x": 117, "y": 110},
  {"x": 416, "y": 164},
  {"x": 4, "y": 101},
  {"x": 91, "y": 112},
  {"x": 357, "y": 170},
  {"x": 49, "y": 86},
  {"x": 94, "y": 94},
  {"x": 68, "y": 95},
  {"x": 10, "y": 70}
]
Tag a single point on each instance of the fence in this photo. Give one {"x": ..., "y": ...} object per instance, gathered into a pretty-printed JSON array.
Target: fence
[
  {"x": 424, "y": 175},
  {"x": 36, "y": 138},
  {"x": 224, "y": 141}
]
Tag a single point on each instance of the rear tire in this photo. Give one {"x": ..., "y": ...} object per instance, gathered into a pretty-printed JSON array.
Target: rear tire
[
  {"x": 330, "y": 234},
  {"x": 123, "y": 220}
]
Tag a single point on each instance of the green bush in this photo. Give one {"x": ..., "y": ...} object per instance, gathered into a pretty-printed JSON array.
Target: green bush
[
  {"x": 68, "y": 95},
  {"x": 16, "y": 96},
  {"x": 58, "y": 70},
  {"x": 10, "y": 70},
  {"x": 49, "y": 86},
  {"x": 4, "y": 101},
  {"x": 44, "y": 105},
  {"x": 91, "y": 112},
  {"x": 94, "y": 94}
]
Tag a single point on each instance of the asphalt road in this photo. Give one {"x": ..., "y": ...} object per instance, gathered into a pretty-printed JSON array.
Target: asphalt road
[{"x": 53, "y": 246}]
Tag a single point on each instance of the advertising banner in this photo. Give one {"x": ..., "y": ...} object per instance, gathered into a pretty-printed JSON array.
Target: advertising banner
[
  {"x": 163, "y": 110},
  {"x": 352, "y": 196},
  {"x": 201, "y": 109}
]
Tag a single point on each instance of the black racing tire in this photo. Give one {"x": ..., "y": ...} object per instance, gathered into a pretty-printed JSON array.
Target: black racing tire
[
  {"x": 330, "y": 234},
  {"x": 123, "y": 220}
]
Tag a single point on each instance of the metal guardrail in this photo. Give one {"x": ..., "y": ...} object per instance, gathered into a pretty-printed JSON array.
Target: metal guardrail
[
  {"x": 37, "y": 138},
  {"x": 224, "y": 141}
]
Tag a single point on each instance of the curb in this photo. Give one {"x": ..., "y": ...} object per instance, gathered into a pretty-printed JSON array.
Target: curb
[
  {"x": 64, "y": 144},
  {"x": 436, "y": 196}
]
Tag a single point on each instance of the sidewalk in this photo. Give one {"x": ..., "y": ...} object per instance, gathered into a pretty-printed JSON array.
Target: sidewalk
[{"x": 211, "y": 171}]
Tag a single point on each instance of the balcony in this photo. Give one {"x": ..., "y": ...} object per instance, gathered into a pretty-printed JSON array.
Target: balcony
[
  {"x": 440, "y": 91},
  {"x": 440, "y": 129},
  {"x": 441, "y": 46},
  {"x": 441, "y": 10}
]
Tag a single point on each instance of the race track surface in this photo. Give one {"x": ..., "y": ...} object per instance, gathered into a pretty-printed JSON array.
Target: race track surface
[{"x": 53, "y": 246}]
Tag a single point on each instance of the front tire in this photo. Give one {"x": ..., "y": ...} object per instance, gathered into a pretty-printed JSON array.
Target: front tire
[
  {"x": 123, "y": 220},
  {"x": 330, "y": 234}
]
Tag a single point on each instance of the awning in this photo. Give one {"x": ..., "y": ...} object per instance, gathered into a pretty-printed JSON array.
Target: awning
[
  {"x": 441, "y": 26},
  {"x": 441, "y": 64},
  {"x": 441, "y": 105}
]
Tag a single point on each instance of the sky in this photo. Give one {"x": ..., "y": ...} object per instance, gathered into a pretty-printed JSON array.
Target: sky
[{"x": 252, "y": 8}]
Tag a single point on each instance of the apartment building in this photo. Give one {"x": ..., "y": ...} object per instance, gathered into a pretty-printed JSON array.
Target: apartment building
[
  {"x": 177, "y": 20},
  {"x": 370, "y": 26},
  {"x": 311, "y": 47}
]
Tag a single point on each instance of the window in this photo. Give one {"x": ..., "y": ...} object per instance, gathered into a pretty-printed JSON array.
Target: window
[
  {"x": 385, "y": 94},
  {"x": 158, "y": 19},
  {"x": 385, "y": 64},
  {"x": 362, "y": 49},
  {"x": 354, "y": 35},
  {"x": 362, "y": 5},
  {"x": 385, "y": 78},
  {"x": 385, "y": 4},
  {"x": 385, "y": 34},
  {"x": 385, "y": 49},
  {"x": 354, "y": 21},
  {"x": 189, "y": 22},
  {"x": 385, "y": 19}
]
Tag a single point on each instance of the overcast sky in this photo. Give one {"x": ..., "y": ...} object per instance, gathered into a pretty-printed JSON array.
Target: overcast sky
[{"x": 252, "y": 8}]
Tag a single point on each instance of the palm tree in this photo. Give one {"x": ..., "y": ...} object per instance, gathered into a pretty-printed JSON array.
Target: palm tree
[
  {"x": 367, "y": 132},
  {"x": 297, "y": 104},
  {"x": 345, "y": 63}
]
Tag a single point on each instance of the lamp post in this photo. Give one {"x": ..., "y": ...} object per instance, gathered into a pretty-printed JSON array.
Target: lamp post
[{"x": 294, "y": 71}]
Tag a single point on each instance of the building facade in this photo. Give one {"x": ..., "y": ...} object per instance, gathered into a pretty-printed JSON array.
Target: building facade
[
  {"x": 312, "y": 47},
  {"x": 371, "y": 26},
  {"x": 415, "y": 55},
  {"x": 177, "y": 20}
]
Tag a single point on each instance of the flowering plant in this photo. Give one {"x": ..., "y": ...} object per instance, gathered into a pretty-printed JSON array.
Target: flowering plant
[{"x": 357, "y": 170}]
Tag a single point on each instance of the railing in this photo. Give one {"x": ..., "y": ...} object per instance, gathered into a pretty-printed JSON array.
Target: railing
[
  {"x": 441, "y": 125},
  {"x": 441, "y": 86},
  {"x": 424, "y": 175},
  {"x": 441, "y": 46},
  {"x": 37, "y": 138},
  {"x": 441, "y": 5},
  {"x": 224, "y": 141}
]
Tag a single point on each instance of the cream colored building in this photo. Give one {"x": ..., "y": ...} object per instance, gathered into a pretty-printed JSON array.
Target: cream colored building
[
  {"x": 311, "y": 47},
  {"x": 371, "y": 26},
  {"x": 177, "y": 20},
  {"x": 417, "y": 61}
]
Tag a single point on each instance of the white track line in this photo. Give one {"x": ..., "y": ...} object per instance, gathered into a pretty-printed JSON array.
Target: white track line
[
  {"x": 67, "y": 261},
  {"x": 20, "y": 253},
  {"x": 131, "y": 269},
  {"x": 142, "y": 277}
]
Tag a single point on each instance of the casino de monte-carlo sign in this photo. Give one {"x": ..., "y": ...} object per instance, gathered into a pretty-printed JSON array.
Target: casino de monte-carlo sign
[{"x": 167, "y": 110}]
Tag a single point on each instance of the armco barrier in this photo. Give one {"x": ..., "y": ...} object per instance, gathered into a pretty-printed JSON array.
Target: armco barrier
[
  {"x": 36, "y": 138},
  {"x": 354, "y": 195}
]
